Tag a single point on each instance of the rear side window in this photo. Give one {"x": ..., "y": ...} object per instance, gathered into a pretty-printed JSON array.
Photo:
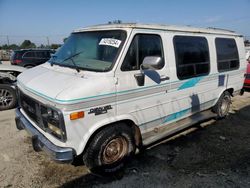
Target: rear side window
[
  {"x": 43, "y": 54},
  {"x": 29, "y": 55},
  {"x": 16, "y": 55},
  {"x": 227, "y": 54},
  {"x": 143, "y": 45},
  {"x": 192, "y": 56}
]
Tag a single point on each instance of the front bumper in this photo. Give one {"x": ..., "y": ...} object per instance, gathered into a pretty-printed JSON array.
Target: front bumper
[{"x": 40, "y": 142}]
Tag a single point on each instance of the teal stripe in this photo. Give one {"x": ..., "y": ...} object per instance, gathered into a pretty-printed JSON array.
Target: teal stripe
[
  {"x": 113, "y": 93},
  {"x": 176, "y": 115},
  {"x": 190, "y": 83}
]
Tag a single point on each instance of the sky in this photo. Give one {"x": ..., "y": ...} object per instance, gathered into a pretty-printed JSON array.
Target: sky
[{"x": 43, "y": 21}]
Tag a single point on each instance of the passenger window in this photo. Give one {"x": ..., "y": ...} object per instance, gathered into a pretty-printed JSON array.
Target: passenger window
[
  {"x": 142, "y": 45},
  {"x": 227, "y": 54},
  {"x": 192, "y": 56},
  {"x": 29, "y": 55}
]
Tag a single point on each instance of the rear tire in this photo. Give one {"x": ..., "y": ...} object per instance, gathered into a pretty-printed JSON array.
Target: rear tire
[
  {"x": 109, "y": 149},
  {"x": 223, "y": 105},
  {"x": 8, "y": 98}
]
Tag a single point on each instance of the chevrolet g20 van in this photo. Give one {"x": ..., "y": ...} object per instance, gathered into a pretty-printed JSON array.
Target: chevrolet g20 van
[{"x": 111, "y": 89}]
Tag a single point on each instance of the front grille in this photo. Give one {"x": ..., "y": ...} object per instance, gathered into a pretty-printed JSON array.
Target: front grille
[
  {"x": 32, "y": 108},
  {"x": 38, "y": 113},
  {"x": 246, "y": 85},
  {"x": 247, "y": 76}
]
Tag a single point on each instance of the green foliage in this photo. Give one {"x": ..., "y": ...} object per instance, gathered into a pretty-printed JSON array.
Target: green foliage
[
  {"x": 27, "y": 44},
  {"x": 55, "y": 46}
]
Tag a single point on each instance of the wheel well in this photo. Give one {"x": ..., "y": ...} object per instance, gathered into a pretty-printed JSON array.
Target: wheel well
[
  {"x": 230, "y": 90},
  {"x": 6, "y": 81},
  {"x": 29, "y": 65},
  {"x": 135, "y": 130}
]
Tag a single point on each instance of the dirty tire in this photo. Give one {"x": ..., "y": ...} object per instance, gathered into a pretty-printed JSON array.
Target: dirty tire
[
  {"x": 109, "y": 149},
  {"x": 223, "y": 105},
  {"x": 8, "y": 98}
]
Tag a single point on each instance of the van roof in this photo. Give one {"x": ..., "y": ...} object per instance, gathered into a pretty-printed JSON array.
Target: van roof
[{"x": 191, "y": 29}]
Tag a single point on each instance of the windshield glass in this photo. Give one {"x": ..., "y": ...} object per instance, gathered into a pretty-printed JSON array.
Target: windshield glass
[{"x": 94, "y": 51}]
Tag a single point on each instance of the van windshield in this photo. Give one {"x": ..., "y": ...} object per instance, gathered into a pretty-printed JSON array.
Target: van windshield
[{"x": 93, "y": 51}]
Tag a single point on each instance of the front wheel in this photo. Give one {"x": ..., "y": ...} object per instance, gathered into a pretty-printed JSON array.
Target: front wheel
[
  {"x": 223, "y": 105},
  {"x": 109, "y": 149},
  {"x": 8, "y": 98}
]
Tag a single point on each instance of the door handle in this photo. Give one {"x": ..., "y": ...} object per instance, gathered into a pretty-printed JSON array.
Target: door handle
[{"x": 164, "y": 78}]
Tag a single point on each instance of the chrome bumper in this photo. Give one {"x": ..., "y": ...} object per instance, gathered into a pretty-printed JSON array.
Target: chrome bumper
[{"x": 40, "y": 142}]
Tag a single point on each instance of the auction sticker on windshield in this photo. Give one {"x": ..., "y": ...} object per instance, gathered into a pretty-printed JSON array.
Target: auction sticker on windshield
[{"x": 110, "y": 42}]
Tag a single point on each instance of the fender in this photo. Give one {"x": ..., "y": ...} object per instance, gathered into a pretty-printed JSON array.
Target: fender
[
  {"x": 101, "y": 124},
  {"x": 222, "y": 91}
]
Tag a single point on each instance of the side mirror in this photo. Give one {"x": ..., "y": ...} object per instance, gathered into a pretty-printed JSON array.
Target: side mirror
[{"x": 151, "y": 63}]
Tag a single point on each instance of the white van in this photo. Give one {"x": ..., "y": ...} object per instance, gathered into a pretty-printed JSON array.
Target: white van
[{"x": 111, "y": 89}]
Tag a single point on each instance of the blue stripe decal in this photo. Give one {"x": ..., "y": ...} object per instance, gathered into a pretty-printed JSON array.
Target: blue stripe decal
[
  {"x": 176, "y": 115},
  {"x": 190, "y": 83}
]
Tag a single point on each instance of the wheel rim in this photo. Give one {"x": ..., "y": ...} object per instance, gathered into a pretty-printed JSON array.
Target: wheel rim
[
  {"x": 115, "y": 150},
  {"x": 224, "y": 106},
  {"x": 6, "y": 98}
]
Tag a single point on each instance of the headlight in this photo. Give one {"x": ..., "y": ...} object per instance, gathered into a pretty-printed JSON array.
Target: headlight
[{"x": 54, "y": 124}]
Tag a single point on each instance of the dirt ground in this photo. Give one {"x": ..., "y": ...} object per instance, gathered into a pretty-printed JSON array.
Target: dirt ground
[{"x": 216, "y": 155}]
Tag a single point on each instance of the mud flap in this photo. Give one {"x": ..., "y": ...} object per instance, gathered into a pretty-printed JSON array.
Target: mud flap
[
  {"x": 36, "y": 143},
  {"x": 19, "y": 124}
]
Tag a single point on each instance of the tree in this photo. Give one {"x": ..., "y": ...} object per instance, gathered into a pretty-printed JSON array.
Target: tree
[
  {"x": 27, "y": 44},
  {"x": 13, "y": 47},
  {"x": 55, "y": 46}
]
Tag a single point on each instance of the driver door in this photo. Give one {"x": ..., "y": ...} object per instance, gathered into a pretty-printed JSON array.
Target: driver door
[{"x": 147, "y": 105}]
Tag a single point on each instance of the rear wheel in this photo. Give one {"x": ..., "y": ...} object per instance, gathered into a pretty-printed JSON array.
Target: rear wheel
[
  {"x": 223, "y": 105},
  {"x": 8, "y": 98},
  {"x": 109, "y": 149}
]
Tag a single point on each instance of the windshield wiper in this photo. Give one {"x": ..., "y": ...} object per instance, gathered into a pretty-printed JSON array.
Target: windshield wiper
[{"x": 71, "y": 58}]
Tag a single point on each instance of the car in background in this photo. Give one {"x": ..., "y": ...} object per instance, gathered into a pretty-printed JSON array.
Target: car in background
[
  {"x": 30, "y": 57},
  {"x": 8, "y": 75},
  {"x": 247, "y": 79}
]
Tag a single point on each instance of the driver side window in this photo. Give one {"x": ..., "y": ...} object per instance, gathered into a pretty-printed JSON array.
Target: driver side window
[{"x": 143, "y": 45}]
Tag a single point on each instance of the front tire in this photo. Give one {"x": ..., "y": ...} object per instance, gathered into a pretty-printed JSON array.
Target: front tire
[
  {"x": 109, "y": 149},
  {"x": 223, "y": 105}
]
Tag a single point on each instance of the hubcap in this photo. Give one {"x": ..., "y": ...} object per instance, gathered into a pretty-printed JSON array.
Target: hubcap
[
  {"x": 224, "y": 106},
  {"x": 6, "y": 98},
  {"x": 115, "y": 150}
]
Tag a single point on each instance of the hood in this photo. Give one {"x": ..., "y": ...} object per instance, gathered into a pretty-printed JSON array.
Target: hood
[
  {"x": 64, "y": 85},
  {"x": 12, "y": 68}
]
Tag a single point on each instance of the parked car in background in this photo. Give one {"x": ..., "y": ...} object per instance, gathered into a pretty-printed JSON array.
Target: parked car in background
[
  {"x": 8, "y": 75},
  {"x": 30, "y": 57},
  {"x": 247, "y": 79}
]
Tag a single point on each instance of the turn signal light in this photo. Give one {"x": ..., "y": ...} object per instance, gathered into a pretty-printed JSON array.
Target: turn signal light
[{"x": 76, "y": 115}]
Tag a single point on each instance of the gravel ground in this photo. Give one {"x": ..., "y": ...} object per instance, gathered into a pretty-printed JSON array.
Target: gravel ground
[{"x": 215, "y": 154}]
